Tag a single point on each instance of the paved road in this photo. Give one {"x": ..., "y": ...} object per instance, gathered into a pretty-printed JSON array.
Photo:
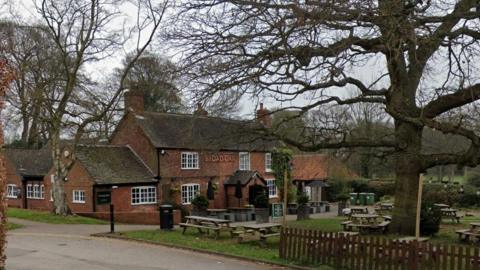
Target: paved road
[{"x": 67, "y": 247}]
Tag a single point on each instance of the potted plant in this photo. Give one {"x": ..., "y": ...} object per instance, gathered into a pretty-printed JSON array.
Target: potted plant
[
  {"x": 200, "y": 205},
  {"x": 303, "y": 209},
  {"x": 262, "y": 212},
  {"x": 342, "y": 199}
]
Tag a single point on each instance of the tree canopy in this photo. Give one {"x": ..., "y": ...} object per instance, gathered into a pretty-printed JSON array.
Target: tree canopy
[{"x": 415, "y": 59}]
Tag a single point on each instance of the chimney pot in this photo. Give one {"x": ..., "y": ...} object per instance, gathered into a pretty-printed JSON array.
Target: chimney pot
[{"x": 263, "y": 116}]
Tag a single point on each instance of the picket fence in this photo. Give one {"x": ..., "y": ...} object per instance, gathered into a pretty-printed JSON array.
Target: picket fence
[{"x": 373, "y": 253}]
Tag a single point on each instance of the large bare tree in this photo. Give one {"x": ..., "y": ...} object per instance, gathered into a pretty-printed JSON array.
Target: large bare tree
[
  {"x": 86, "y": 31},
  {"x": 414, "y": 58}
]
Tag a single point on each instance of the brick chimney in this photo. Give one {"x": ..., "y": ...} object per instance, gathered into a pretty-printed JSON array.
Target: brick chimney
[
  {"x": 200, "y": 111},
  {"x": 264, "y": 116},
  {"x": 134, "y": 101}
]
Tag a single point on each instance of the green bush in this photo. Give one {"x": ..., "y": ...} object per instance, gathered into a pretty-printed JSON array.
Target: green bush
[
  {"x": 359, "y": 186},
  {"x": 430, "y": 218},
  {"x": 336, "y": 188},
  {"x": 474, "y": 179},
  {"x": 261, "y": 201},
  {"x": 200, "y": 201},
  {"x": 381, "y": 188},
  {"x": 343, "y": 197},
  {"x": 302, "y": 199}
]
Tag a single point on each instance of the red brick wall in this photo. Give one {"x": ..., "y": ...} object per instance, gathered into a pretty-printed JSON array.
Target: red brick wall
[
  {"x": 129, "y": 133},
  {"x": 122, "y": 199},
  {"x": 79, "y": 179},
  {"x": 13, "y": 178}
]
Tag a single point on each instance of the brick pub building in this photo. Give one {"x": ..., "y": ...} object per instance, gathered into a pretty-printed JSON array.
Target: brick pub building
[{"x": 152, "y": 158}]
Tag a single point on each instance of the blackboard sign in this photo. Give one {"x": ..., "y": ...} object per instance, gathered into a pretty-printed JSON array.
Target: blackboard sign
[
  {"x": 277, "y": 210},
  {"x": 104, "y": 197}
]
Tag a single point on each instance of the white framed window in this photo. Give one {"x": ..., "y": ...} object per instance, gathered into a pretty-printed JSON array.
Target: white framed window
[
  {"x": 144, "y": 195},
  {"x": 12, "y": 191},
  {"x": 268, "y": 162},
  {"x": 272, "y": 188},
  {"x": 244, "y": 161},
  {"x": 35, "y": 191},
  {"x": 189, "y": 160},
  {"x": 29, "y": 191},
  {"x": 78, "y": 196},
  {"x": 189, "y": 191}
]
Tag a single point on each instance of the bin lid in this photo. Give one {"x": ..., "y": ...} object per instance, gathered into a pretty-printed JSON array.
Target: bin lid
[{"x": 353, "y": 194}]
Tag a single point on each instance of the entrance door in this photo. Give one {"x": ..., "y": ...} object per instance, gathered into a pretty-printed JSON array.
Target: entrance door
[{"x": 254, "y": 191}]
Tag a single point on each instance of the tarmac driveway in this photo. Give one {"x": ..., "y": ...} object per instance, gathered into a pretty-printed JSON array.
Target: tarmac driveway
[{"x": 68, "y": 247}]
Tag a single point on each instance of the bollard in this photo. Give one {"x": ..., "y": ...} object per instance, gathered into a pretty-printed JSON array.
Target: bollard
[{"x": 112, "y": 219}]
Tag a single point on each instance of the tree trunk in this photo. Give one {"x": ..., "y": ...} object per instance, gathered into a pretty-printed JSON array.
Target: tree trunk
[
  {"x": 59, "y": 196},
  {"x": 407, "y": 170}
]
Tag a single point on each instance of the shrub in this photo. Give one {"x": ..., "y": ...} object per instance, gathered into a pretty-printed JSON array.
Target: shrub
[
  {"x": 359, "y": 186},
  {"x": 343, "y": 197},
  {"x": 200, "y": 201},
  {"x": 381, "y": 188},
  {"x": 430, "y": 218},
  {"x": 337, "y": 187},
  {"x": 302, "y": 199},
  {"x": 474, "y": 179},
  {"x": 261, "y": 201}
]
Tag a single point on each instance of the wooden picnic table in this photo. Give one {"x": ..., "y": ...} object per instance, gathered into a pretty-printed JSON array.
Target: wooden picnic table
[
  {"x": 358, "y": 210},
  {"x": 441, "y": 205},
  {"x": 263, "y": 230},
  {"x": 364, "y": 218},
  {"x": 386, "y": 206},
  {"x": 451, "y": 213},
  {"x": 206, "y": 223},
  {"x": 474, "y": 225}
]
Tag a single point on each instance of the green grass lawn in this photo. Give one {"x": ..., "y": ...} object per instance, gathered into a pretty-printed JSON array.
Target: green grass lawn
[
  {"x": 13, "y": 226},
  {"x": 46, "y": 217},
  {"x": 224, "y": 244}
]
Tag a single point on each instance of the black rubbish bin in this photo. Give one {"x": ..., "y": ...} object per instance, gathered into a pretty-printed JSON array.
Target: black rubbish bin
[{"x": 166, "y": 217}]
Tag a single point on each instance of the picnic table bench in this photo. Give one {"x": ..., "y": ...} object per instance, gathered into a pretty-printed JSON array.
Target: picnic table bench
[
  {"x": 381, "y": 227},
  {"x": 358, "y": 210},
  {"x": 209, "y": 224},
  {"x": 467, "y": 234},
  {"x": 451, "y": 213},
  {"x": 264, "y": 231}
]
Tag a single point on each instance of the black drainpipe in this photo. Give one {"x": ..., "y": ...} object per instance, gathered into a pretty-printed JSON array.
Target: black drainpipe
[
  {"x": 158, "y": 177},
  {"x": 94, "y": 202},
  {"x": 24, "y": 193}
]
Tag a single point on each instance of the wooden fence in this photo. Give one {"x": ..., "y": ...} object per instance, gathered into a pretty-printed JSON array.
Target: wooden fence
[{"x": 373, "y": 253}]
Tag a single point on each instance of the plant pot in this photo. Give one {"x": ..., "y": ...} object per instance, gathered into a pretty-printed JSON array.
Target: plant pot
[
  {"x": 262, "y": 215},
  {"x": 303, "y": 212},
  {"x": 199, "y": 212}
]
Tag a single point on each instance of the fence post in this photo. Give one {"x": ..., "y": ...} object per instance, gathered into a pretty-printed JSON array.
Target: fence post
[{"x": 112, "y": 219}]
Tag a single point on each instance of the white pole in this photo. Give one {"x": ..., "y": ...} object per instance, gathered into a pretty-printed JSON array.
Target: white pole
[{"x": 419, "y": 207}]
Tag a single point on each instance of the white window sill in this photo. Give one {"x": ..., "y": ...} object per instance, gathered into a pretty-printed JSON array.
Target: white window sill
[
  {"x": 12, "y": 197},
  {"x": 191, "y": 168},
  {"x": 186, "y": 203},
  {"x": 30, "y": 198},
  {"x": 144, "y": 203},
  {"x": 268, "y": 171},
  {"x": 80, "y": 202},
  {"x": 273, "y": 197}
]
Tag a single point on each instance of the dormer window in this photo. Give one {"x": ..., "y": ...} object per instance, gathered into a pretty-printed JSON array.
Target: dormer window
[
  {"x": 189, "y": 160},
  {"x": 244, "y": 161}
]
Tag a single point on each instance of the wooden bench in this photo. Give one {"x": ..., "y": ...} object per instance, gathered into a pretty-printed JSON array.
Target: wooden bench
[
  {"x": 264, "y": 237},
  {"x": 200, "y": 227},
  {"x": 464, "y": 235},
  {"x": 383, "y": 227},
  {"x": 345, "y": 224}
]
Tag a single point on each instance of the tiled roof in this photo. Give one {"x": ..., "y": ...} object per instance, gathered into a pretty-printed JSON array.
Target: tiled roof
[
  {"x": 318, "y": 167},
  {"x": 242, "y": 176},
  {"x": 113, "y": 165},
  {"x": 30, "y": 162},
  {"x": 186, "y": 131}
]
